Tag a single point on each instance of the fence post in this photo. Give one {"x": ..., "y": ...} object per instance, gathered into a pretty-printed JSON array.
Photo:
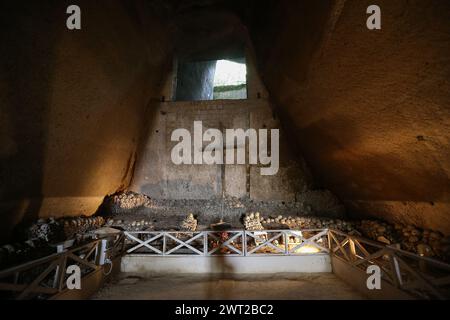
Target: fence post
[
  {"x": 205, "y": 243},
  {"x": 244, "y": 243},
  {"x": 164, "y": 244},
  {"x": 286, "y": 242},
  {"x": 395, "y": 266},
  {"x": 352, "y": 249},
  {"x": 330, "y": 243},
  {"x": 62, "y": 272},
  {"x": 101, "y": 253},
  {"x": 59, "y": 249}
]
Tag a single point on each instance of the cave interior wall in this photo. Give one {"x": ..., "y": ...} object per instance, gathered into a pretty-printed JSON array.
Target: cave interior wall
[{"x": 367, "y": 110}]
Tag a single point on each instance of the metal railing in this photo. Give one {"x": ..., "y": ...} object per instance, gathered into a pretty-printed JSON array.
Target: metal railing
[
  {"x": 47, "y": 276},
  {"x": 419, "y": 276},
  {"x": 234, "y": 242}
]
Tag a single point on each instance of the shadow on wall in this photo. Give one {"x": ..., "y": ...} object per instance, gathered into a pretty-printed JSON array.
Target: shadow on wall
[
  {"x": 195, "y": 81},
  {"x": 72, "y": 104},
  {"x": 368, "y": 108},
  {"x": 346, "y": 155},
  {"x": 25, "y": 93}
]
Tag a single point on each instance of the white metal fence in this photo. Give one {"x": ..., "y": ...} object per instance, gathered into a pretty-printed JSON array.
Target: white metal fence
[
  {"x": 420, "y": 276},
  {"x": 235, "y": 242}
]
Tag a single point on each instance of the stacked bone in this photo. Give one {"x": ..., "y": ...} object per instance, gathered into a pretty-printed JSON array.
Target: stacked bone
[
  {"x": 379, "y": 231},
  {"x": 125, "y": 201},
  {"x": 79, "y": 225},
  {"x": 189, "y": 224},
  {"x": 133, "y": 225},
  {"x": 310, "y": 223},
  {"x": 288, "y": 221},
  {"x": 252, "y": 222},
  {"x": 44, "y": 232},
  {"x": 51, "y": 230},
  {"x": 424, "y": 242}
]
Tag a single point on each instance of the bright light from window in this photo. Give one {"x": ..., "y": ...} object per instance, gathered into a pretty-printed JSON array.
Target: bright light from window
[{"x": 229, "y": 73}]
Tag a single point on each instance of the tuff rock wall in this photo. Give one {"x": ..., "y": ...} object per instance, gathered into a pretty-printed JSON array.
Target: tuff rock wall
[
  {"x": 72, "y": 102},
  {"x": 370, "y": 110}
]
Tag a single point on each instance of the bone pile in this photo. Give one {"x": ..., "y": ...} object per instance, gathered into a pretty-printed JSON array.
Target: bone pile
[
  {"x": 310, "y": 223},
  {"x": 125, "y": 201},
  {"x": 189, "y": 224},
  {"x": 252, "y": 222},
  {"x": 130, "y": 225},
  {"x": 46, "y": 230},
  {"x": 427, "y": 243},
  {"x": 41, "y": 234},
  {"x": 52, "y": 230},
  {"x": 379, "y": 231},
  {"x": 80, "y": 225},
  {"x": 424, "y": 242}
]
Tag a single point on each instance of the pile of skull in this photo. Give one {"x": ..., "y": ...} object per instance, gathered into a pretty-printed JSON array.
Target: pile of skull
[
  {"x": 424, "y": 242},
  {"x": 130, "y": 225},
  {"x": 42, "y": 234},
  {"x": 189, "y": 224}
]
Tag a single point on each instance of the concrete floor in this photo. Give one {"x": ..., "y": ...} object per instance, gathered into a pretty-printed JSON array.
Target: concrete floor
[{"x": 243, "y": 287}]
